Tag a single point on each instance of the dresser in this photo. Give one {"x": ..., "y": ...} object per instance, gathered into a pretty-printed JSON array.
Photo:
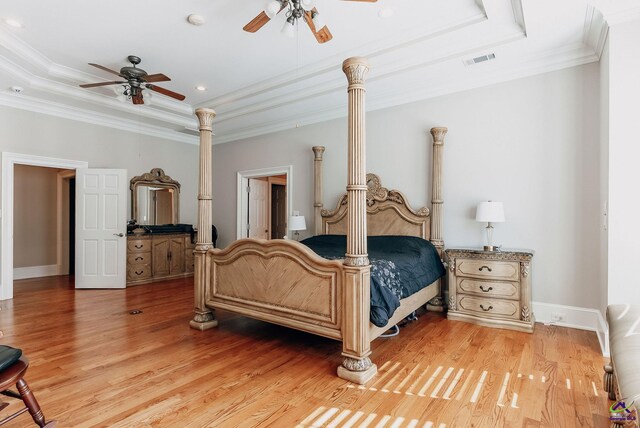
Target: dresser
[
  {"x": 158, "y": 257},
  {"x": 491, "y": 288}
]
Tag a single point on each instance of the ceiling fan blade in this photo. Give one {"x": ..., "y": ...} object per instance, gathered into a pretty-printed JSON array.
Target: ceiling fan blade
[
  {"x": 166, "y": 92},
  {"x": 108, "y": 70},
  {"x": 158, "y": 77},
  {"x": 259, "y": 21},
  {"x": 322, "y": 36},
  {"x": 93, "y": 85},
  {"x": 137, "y": 99}
]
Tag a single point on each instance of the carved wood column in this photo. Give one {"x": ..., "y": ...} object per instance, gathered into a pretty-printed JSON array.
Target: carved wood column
[
  {"x": 436, "y": 183},
  {"x": 356, "y": 70},
  {"x": 437, "y": 303},
  {"x": 356, "y": 340},
  {"x": 204, "y": 317},
  {"x": 318, "y": 151}
]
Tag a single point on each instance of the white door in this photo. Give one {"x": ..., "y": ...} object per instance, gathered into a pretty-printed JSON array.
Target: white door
[
  {"x": 101, "y": 228},
  {"x": 258, "y": 208}
]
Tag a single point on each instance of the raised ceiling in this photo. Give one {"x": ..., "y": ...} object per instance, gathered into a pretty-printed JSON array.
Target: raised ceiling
[{"x": 265, "y": 82}]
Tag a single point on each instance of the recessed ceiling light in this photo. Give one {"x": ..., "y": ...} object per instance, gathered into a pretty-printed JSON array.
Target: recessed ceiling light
[
  {"x": 14, "y": 23},
  {"x": 386, "y": 12},
  {"x": 195, "y": 19},
  {"x": 201, "y": 88}
]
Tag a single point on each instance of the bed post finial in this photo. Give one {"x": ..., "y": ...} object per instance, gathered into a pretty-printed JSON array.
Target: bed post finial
[
  {"x": 203, "y": 318},
  {"x": 356, "y": 339},
  {"x": 436, "y": 193},
  {"x": 318, "y": 152}
]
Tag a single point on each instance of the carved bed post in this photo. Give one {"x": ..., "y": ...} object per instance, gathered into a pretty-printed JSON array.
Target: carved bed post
[
  {"x": 356, "y": 343},
  {"x": 437, "y": 303},
  {"x": 203, "y": 318},
  {"x": 318, "y": 151}
]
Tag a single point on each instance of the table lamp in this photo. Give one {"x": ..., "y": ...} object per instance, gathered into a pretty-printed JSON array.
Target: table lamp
[
  {"x": 296, "y": 223},
  {"x": 490, "y": 212}
]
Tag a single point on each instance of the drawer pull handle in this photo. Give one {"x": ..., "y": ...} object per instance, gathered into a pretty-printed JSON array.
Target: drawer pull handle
[
  {"x": 486, "y": 309},
  {"x": 486, "y": 290},
  {"x": 485, "y": 267},
  {"x": 139, "y": 272},
  {"x": 139, "y": 246},
  {"x": 139, "y": 258}
]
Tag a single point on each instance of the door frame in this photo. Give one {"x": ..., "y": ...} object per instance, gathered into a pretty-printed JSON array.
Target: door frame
[
  {"x": 242, "y": 205},
  {"x": 9, "y": 160}
]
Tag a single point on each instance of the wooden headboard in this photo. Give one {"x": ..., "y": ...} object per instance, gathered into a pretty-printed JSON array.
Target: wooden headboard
[{"x": 388, "y": 213}]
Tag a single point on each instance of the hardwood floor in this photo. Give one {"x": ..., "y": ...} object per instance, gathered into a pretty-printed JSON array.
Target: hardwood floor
[{"x": 94, "y": 364}]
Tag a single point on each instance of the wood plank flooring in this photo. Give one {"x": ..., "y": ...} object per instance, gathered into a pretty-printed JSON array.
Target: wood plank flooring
[{"x": 94, "y": 364}]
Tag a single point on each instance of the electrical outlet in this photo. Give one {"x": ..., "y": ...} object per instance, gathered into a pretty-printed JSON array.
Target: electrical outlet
[{"x": 557, "y": 316}]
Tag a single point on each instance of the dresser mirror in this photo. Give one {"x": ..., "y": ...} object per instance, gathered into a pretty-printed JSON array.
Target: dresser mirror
[{"x": 155, "y": 198}]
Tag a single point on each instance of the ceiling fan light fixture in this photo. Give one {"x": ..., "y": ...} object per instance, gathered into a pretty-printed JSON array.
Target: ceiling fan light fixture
[
  {"x": 272, "y": 9},
  {"x": 288, "y": 28},
  {"x": 308, "y": 4}
]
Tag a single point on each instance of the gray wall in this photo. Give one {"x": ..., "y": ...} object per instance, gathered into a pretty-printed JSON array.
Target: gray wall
[
  {"x": 532, "y": 143},
  {"x": 37, "y": 134}
]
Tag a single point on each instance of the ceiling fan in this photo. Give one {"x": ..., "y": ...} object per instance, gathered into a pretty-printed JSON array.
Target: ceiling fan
[
  {"x": 295, "y": 9},
  {"x": 135, "y": 81}
]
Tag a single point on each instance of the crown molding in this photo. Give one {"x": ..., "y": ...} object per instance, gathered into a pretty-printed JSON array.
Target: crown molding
[
  {"x": 42, "y": 64},
  {"x": 595, "y": 30},
  {"x": 371, "y": 51},
  {"x": 37, "y": 105},
  {"x": 558, "y": 59}
]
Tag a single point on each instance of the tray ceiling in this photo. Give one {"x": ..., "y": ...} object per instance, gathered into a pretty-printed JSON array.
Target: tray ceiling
[{"x": 264, "y": 82}]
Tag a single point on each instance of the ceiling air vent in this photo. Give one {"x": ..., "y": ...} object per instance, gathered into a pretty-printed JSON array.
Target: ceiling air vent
[{"x": 479, "y": 59}]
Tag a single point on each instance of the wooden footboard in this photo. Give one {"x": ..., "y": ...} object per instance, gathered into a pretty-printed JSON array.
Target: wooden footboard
[{"x": 278, "y": 281}]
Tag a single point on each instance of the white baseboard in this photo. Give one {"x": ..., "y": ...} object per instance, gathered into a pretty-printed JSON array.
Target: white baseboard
[
  {"x": 575, "y": 317},
  {"x": 35, "y": 271}
]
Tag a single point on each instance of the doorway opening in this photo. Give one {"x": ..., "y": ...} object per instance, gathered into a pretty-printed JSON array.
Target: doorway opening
[
  {"x": 264, "y": 203},
  {"x": 9, "y": 163},
  {"x": 42, "y": 221}
]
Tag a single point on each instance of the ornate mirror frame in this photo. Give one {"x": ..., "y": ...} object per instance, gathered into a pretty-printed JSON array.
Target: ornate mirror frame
[{"x": 157, "y": 178}]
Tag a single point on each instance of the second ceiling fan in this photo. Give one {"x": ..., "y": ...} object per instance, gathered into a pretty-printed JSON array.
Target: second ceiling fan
[{"x": 295, "y": 10}]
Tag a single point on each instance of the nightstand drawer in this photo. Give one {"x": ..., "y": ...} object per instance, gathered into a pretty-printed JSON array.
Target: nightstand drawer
[
  {"x": 490, "y": 269},
  {"x": 489, "y": 307},
  {"x": 484, "y": 288}
]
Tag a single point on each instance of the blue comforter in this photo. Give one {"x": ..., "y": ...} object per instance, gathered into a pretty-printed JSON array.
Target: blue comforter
[{"x": 400, "y": 266}]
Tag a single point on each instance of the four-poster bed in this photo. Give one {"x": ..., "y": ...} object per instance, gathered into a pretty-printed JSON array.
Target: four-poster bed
[{"x": 285, "y": 282}]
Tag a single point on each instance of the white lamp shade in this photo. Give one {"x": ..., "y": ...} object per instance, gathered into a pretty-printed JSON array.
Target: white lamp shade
[
  {"x": 308, "y": 4},
  {"x": 288, "y": 29},
  {"x": 490, "y": 212},
  {"x": 296, "y": 222},
  {"x": 272, "y": 9}
]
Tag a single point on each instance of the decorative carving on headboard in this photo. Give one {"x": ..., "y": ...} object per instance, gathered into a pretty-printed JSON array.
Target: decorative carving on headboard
[{"x": 376, "y": 193}]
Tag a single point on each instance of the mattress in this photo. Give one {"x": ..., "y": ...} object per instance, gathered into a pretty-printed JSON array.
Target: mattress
[{"x": 400, "y": 267}]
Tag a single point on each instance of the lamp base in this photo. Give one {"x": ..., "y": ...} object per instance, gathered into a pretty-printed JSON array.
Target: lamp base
[{"x": 490, "y": 248}]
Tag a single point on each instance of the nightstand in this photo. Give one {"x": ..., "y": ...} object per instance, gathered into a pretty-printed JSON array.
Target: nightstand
[{"x": 491, "y": 288}]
